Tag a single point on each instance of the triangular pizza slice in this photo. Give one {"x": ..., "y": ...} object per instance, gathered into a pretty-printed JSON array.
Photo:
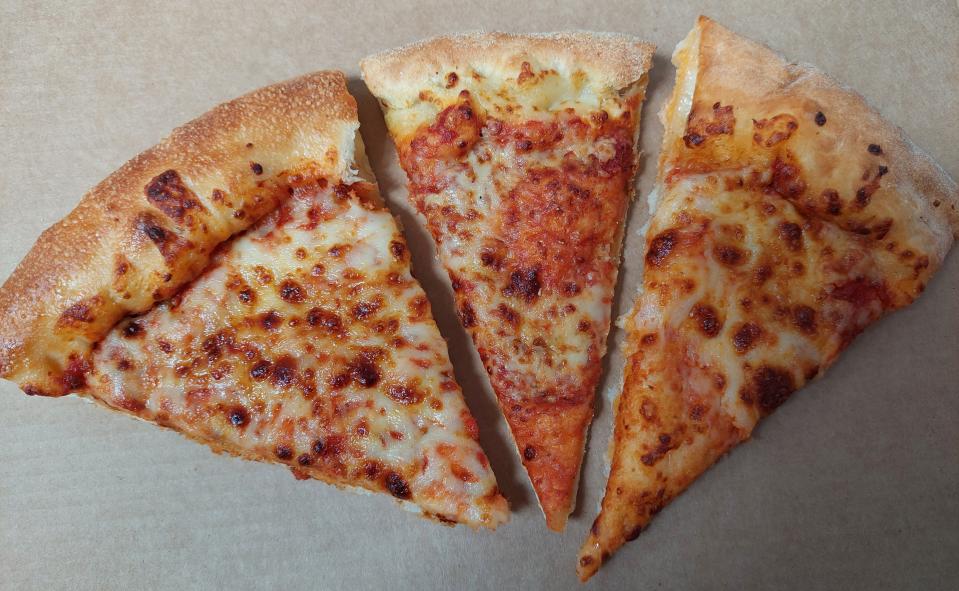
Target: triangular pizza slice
[
  {"x": 520, "y": 152},
  {"x": 788, "y": 216},
  {"x": 304, "y": 340}
]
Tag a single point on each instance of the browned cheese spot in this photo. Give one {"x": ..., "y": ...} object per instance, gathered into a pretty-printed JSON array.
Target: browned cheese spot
[
  {"x": 397, "y": 486},
  {"x": 791, "y": 234},
  {"x": 238, "y": 417},
  {"x": 324, "y": 319},
  {"x": 729, "y": 255},
  {"x": 707, "y": 319},
  {"x": 833, "y": 203},
  {"x": 660, "y": 247},
  {"x": 398, "y": 249},
  {"x": 770, "y": 387},
  {"x": 745, "y": 337},
  {"x": 364, "y": 372},
  {"x": 270, "y": 320},
  {"x": 292, "y": 292},
  {"x": 403, "y": 394},
  {"x": 284, "y": 372},
  {"x": 804, "y": 318},
  {"x": 260, "y": 370},
  {"x": 523, "y": 283},
  {"x": 769, "y": 132},
  {"x": 467, "y": 315}
]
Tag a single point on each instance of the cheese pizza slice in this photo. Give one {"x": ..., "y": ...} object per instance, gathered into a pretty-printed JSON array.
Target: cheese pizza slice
[
  {"x": 520, "y": 153},
  {"x": 304, "y": 340},
  {"x": 788, "y": 216},
  {"x": 150, "y": 227}
]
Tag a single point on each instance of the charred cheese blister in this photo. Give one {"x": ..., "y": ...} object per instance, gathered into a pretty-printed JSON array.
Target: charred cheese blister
[{"x": 520, "y": 153}]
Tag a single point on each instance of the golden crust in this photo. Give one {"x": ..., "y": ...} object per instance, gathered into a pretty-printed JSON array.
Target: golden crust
[
  {"x": 145, "y": 231},
  {"x": 614, "y": 60},
  {"x": 758, "y": 82}
]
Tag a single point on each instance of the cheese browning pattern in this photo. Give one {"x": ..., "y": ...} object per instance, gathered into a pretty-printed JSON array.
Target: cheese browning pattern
[
  {"x": 307, "y": 342},
  {"x": 526, "y": 207},
  {"x": 779, "y": 235}
]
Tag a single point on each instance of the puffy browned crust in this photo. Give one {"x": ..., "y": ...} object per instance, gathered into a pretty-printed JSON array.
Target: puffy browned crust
[
  {"x": 757, "y": 82},
  {"x": 614, "y": 60},
  {"x": 150, "y": 226},
  {"x": 748, "y": 108}
]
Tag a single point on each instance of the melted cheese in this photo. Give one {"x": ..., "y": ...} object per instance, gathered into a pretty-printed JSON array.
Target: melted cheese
[
  {"x": 308, "y": 342},
  {"x": 532, "y": 249}
]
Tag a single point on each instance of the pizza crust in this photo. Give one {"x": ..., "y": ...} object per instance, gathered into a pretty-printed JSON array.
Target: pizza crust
[
  {"x": 145, "y": 231},
  {"x": 611, "y": 59},
  {"x": 754, "y": 78}
]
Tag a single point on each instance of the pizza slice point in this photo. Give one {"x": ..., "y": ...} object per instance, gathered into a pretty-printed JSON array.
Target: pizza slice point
[
  {"x": 304, "y": 340},
  {"x": 788, "y": 216},
  {"x": 520, "y": 152}
]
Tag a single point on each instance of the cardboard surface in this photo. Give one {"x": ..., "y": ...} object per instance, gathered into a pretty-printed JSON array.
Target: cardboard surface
[{"x": 852, "y": 484}]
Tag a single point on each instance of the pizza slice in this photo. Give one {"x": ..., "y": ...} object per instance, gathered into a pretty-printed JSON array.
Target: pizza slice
[
  {"x": 303, "y": 340},
  {"x": 788, "y": 216},
  {"x": 520, "y": 153}
]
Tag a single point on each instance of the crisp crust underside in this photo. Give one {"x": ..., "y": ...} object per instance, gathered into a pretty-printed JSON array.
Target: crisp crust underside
[
  {"x": 613, "y": 60},
  {"x": 75, "y": 260},
  {"x": 748, "y": 74}
]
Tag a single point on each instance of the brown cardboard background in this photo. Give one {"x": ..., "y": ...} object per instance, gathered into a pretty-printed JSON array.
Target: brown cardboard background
[{"x": 853, "y": 484}]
